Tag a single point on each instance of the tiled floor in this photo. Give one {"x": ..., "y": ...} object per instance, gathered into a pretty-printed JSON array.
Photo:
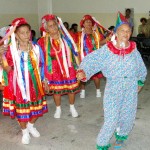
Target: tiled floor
[{"x": 79, "y": 133}]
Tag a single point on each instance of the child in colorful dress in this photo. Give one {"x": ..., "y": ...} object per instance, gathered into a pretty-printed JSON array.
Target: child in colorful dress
[{"x": 23, "y": 96}]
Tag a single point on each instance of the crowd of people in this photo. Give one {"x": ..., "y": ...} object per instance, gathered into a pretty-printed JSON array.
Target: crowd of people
[{"x": 61, "y": 62}]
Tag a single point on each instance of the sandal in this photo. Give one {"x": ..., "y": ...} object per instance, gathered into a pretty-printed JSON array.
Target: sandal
[{"x": 118, "y": 144}]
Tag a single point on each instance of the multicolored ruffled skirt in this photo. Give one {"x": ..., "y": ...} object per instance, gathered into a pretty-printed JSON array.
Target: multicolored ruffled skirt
[{"x": 24, "y": 112}]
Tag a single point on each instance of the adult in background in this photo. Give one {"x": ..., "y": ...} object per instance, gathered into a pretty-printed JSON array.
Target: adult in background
[
  {"x": 66, "y": 24},
  {"x": 129, "y": 18},
  {"x": 89, "y": 40},
  {"x": 74, "y": 28},
  {"x": 61, "y": 60},
  {"x": 3, "y": 49}
]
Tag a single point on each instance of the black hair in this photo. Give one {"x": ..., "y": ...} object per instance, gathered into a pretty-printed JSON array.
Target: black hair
[
  {"x": 111, "y": 27},
  {"x": 143, "y": 19},
  {"x": 33, "y": 32},
  {"x": 73, "y": 25},
  {"x": 128, "y": 9},
  {"x": 66, "y": 24}
]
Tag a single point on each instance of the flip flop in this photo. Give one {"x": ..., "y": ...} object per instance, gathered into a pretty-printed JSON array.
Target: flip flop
[{"x": 118, "y": 144}]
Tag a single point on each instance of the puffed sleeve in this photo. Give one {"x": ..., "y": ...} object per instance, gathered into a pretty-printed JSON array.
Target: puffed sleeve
[{"x": 141, "y": 71}]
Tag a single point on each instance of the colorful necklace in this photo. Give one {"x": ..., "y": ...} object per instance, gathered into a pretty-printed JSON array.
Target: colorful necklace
[
  {"x": 22, "y": 52},
  {"x": 56, "y": 46}
]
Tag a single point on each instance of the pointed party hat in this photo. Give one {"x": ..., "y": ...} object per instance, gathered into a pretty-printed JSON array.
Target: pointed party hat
[{"x": 120, "y": 20}]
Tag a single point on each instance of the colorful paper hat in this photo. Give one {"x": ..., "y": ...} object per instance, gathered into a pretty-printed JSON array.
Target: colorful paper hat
[
  {"x": 19, "y": 21},
  {"x": 45, "y": 19},
  {"x": 120, "y": 20},
  {"x": 86, "y": 17}
]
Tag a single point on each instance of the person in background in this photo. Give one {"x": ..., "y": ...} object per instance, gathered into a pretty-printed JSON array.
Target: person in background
[
  {"x": 66, "y": 24},
  {"x": 125, "y": 71},
  {"x": 74, "y": 32},
  {"x": 23, "y": 96},
  {"x": 129, "y": 18},
  {"x": 33, "y": 36},
  {"x": 89, "y": 40},
  {"x": 61, "y": 60},
  {"x": 142, "y": 29},
  {"x": 74, "y": 28},
  {"x": 111, "y": 28},
  {"x": 3, "y": 49}
]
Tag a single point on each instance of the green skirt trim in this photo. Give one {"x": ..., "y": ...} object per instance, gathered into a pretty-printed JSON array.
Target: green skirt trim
[
  {"x": 120, "y": 138},
  {"x": 103, "y": 147},
  {"x": 62, "y": 92},
  {"x": 25, "y": 105}
]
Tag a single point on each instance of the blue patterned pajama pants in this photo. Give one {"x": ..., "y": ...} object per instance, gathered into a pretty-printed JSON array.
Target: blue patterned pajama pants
[{"x": 120, "y": 105}]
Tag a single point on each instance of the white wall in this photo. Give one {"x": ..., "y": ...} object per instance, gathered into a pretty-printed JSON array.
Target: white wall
[
  {"x": 44, "y": 7},
  {"x": 104, "y": 10},
  {"x": 31, "y": 10},
  {"x": 70, "y": 10},
  {"x": 99, "y": 6},
  {"x": 18, "y": 6},
  {"x": 11, "y": 9}
]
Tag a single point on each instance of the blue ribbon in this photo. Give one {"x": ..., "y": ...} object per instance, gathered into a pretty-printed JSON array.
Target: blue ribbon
[
  {"x": 70, "y": 44},
  {"x": 22, "y": 70},
  {"x": 42, "y": 63},
  {"x": 85, "y": 45}
]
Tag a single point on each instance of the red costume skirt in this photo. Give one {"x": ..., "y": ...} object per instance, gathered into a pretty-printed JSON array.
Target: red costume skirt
[{"x": 15, "y": 106}]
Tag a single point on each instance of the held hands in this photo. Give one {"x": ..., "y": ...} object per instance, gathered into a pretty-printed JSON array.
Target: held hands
[{"x": 81, "y": 75}]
